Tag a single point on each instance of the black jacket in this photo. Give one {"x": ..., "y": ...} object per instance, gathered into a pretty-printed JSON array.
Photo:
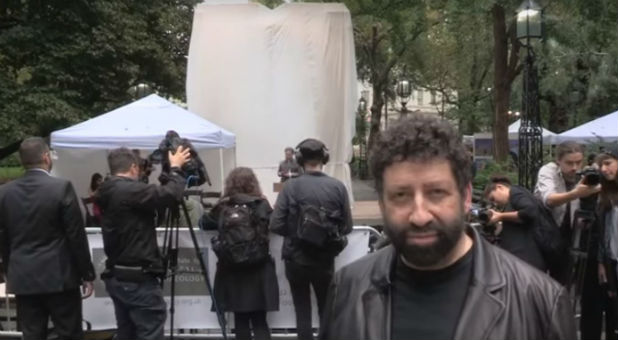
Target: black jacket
[
  {"x": 128, "y": 219},
  {"x": 518, "y": 237},
  {"x": 246, "y": 288},
  {"x": 507, "y": 299},
  {"x": 42, "y": 235},
  {"x": 320, "y": 190}
]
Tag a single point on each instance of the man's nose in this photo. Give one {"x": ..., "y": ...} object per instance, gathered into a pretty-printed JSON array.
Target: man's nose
[{"x": 420, "y": 215}]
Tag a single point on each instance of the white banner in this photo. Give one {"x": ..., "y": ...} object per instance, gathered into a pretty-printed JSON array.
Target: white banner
[{"x": 192, "y": 300}]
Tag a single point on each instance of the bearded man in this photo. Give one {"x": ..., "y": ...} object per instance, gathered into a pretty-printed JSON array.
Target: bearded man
[{"x": 438, "y": 279}]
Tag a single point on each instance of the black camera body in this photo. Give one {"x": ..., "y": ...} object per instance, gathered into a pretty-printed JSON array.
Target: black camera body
[
  {"x": 479, "y": 219},
  {"x": 590, "y": 175},
  {"x": 483, "y": 215},
  {"x": 194, "y": 168}
]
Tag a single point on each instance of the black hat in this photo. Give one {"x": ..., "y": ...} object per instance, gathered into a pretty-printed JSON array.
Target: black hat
[{"x": 611, "y": 150}]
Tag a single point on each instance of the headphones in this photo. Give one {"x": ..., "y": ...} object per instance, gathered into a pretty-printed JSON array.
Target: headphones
[{"x": 312, "y": 149}]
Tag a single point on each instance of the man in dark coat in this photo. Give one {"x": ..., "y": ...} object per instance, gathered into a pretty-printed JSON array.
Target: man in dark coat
[
  {"x": 438, "y": 279},
  {"x": 307, "y": 264},
  {"x": 44, "y": 247}
]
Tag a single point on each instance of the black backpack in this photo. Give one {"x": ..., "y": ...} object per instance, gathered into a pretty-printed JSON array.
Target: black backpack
[
  {"x": 318, "y": 229},
  {"x": 241, "y": 240},
  {"x": 547, "y": 236}
]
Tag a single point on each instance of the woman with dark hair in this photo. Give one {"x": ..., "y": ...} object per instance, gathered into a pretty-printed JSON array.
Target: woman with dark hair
[
  {"x": 608, "y": 217},
  {"x": 248, "y": 289},
  {"x": 95, "y": 182},
  {"x": 519, "y": 215}
]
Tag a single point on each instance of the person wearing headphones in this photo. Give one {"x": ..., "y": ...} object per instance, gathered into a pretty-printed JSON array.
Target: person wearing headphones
[{"x": 312, "y": 213}]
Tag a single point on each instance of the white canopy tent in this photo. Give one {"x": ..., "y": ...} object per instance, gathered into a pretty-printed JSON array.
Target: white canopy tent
[
  {"x": 603, "y": 129},
  {"x": 548, "y": 136},
  {"x": 82, "y": 149}
]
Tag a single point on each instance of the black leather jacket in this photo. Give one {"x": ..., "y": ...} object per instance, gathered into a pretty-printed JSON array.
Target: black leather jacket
[
  {"x": 507, "y": 299},
  {"x": 129, "y": 209}
]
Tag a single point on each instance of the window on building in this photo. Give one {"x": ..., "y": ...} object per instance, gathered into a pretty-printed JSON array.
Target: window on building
[
  {"x": 419, "y": 98},
  {"x": 433, "y": 97}
]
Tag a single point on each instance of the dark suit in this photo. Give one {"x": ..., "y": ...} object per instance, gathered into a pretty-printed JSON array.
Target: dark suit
[{"x": 45, "y": 252}]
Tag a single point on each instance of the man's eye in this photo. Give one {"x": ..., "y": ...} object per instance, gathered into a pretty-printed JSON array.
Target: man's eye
[{"x": 437, "y": 193}]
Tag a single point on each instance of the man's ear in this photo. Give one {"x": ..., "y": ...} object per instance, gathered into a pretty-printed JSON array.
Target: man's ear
[{"x": 468, "y": 197}]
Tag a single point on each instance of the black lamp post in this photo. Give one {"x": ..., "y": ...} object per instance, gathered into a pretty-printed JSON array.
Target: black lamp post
[
  {"x": 403, "y": 92},
  {"x": 361, "y": 129},
  {"x": 529, "y": 26}
]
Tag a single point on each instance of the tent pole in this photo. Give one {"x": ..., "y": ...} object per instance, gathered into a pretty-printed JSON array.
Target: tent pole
[{"x": 221, "y": 168}]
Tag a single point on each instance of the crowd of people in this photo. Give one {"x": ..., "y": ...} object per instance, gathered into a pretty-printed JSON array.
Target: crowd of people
[{"x": 435, "y": 278}]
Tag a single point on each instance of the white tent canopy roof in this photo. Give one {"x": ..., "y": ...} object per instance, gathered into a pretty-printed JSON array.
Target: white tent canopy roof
[
  {"x": 514, "y": 130},
  {"x": 142, "y": 125},
  {"x": 603, "y": 129}
]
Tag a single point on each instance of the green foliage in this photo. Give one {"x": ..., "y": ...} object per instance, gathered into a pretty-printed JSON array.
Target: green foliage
[
  {"x": 10, "y": 161},
  {"x": 10, "y": 173},
  {"x": 484, "y": 173},
  {"x": 64, "y": 61}
]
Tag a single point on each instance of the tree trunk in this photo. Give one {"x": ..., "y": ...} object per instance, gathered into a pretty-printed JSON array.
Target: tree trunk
[
  {"x": 9, "y": 149},
  {"x": 558, "y": 115},
  {"x": 502, "y": 86},
  {"x": 376, "y": 115}
]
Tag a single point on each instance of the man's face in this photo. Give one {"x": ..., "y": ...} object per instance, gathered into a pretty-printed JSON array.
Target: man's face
[
  {"x": 609, "y": 168},
  {"x": 288, "y": 155},
  {"x": 499, "y": 196},
  {"x": 423, "y": 210},
  {"x": 570, "y": 164}
]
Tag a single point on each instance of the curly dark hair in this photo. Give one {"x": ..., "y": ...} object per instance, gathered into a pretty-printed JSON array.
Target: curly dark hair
[
  {"x": 242, "y": 180},
  {"x": 421, "y": 138}
]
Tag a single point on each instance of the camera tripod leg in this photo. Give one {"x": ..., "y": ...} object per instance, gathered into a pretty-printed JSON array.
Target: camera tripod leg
[{"x": 199, "y": 255}]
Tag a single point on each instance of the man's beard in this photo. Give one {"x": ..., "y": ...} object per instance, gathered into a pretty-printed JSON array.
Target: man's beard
[{"x": 424, "y": 256}]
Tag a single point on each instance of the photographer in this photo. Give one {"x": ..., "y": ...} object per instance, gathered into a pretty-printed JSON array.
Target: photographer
[
  {"x": 519, "y": 217},
  {"x": 608, "y": 219},
  {"x": 558, "y": 188},
  {"x": 134, "y": 262}
]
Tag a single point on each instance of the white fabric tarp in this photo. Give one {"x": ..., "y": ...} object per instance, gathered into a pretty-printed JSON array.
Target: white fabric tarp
[
  {"x": 603, "y": 129},
  {"x": 82, "y": 149},
  {"x": 276, "y": 77},
  {"x": 548, "y": 136}
]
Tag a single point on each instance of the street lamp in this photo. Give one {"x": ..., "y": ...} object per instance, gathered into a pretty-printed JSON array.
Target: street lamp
[
  {"x": 403, "y": 91},
  {"x": 361, "y": 130},
  {"x": 529, "y": 27},
  {"x": 362, "y": 106},
  {"x": 140, "y": 90}
]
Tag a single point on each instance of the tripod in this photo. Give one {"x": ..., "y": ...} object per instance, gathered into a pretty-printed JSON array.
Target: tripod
[
  {"x": 170, "y": 254},
  {"x": 583, "y": 221}
]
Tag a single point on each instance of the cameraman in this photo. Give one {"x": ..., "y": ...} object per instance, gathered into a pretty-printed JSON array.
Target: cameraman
[
  {"x": 558, "y": 188},
  {"x": 519, "y": 217},
  {"x": 134, "y": 263}
]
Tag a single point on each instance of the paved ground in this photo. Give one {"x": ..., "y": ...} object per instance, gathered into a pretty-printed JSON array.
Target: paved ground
[{"x": 366, "y": 210}]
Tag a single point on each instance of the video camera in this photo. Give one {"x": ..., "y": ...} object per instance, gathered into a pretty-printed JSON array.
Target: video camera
[
  {"x": 479, "y": 218},
  {"x": 194, "y": 168},
  {"x": 591, "y": 176}
]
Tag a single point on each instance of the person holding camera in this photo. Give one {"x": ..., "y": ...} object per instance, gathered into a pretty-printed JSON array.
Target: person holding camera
[
  {"x": 134, "y": 264},
  {"x": 608, "y": 220},
  {"x": 560, "y": 189},
  {"x": 245, "y": 281},
  {"x": 313, "y": 215},
  {"x": 45, "y": 252},
  {"x": 519, "y": 216}
]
